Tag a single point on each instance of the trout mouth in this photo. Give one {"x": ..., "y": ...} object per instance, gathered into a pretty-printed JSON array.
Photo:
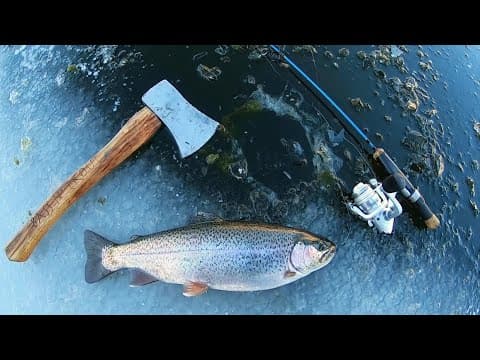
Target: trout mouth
[{"x": 328, "y": 254}]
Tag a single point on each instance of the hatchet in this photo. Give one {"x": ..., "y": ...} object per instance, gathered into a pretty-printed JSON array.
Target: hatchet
[{"x": 190, "y": 129}]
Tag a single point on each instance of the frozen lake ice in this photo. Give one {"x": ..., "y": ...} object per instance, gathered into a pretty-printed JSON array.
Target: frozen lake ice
[{"x": 59, "y": 105}]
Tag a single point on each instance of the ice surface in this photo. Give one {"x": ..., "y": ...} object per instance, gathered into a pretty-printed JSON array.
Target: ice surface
[{"x": 412, "y": 272}]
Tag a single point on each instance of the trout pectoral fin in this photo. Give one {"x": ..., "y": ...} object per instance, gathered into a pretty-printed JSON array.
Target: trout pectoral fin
[
  {"x": 289, "y": 273},
  {"x": 194, "y": 288},
  {"x": 140, "y": 278}
]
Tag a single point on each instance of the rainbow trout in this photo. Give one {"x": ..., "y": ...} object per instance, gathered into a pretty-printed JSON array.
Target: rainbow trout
[{"x": 223, "y": 255}]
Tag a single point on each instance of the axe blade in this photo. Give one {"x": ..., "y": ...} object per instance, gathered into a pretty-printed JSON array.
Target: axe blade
[{"x": 190, "y": 128}]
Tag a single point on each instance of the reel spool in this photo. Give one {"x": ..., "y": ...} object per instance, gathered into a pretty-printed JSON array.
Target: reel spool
[{"x": 375, "y": 205}]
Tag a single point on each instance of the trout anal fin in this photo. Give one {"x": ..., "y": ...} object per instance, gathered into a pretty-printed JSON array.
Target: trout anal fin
[{"x": 194, "y": 288}]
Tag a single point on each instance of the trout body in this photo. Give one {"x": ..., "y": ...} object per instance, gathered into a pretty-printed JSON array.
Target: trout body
[{"x": 223, "y": 255}]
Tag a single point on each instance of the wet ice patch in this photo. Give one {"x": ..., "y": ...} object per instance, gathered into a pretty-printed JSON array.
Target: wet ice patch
[{"x": 277, "y": 105}]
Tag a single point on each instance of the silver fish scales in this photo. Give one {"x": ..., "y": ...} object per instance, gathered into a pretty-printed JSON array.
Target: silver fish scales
[{"x": 223, "y": 255}]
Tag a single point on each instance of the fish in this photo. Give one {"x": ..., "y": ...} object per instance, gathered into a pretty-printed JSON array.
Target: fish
[{"x": 212, "y": 253}]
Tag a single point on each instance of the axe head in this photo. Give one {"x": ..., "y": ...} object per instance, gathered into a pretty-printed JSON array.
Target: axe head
[{"x": 190, "y": 128}]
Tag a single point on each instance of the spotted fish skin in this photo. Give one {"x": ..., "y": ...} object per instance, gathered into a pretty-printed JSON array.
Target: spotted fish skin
[{"x": 223, "y": 255}]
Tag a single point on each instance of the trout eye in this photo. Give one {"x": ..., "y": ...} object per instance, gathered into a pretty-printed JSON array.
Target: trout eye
[
  {"x": 322, "y": 246},
  {"x": 318, "y": 245}
]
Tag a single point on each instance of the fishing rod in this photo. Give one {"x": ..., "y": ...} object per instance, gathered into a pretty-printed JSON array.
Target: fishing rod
[{"x": 374, "y": 202}]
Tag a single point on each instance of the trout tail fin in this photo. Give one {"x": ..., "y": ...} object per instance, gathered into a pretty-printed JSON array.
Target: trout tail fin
[{"x": 94, "y": 245}]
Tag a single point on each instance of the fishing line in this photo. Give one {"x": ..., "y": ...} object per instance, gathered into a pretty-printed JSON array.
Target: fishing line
[
  {"x": 271, "y": 65},
  {"x": 354, "y": 145},
  {"x": 309, "y": 83},
  {"x": 332, "y": 113},
  {"x": 357, "y": 147}
]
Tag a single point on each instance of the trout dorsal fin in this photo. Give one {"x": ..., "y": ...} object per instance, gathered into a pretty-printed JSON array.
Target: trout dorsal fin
[{"x": 201, "y": 217}]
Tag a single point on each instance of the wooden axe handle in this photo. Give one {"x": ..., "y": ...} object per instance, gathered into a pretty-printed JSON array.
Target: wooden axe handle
[{"x": 139, "y": 128}]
